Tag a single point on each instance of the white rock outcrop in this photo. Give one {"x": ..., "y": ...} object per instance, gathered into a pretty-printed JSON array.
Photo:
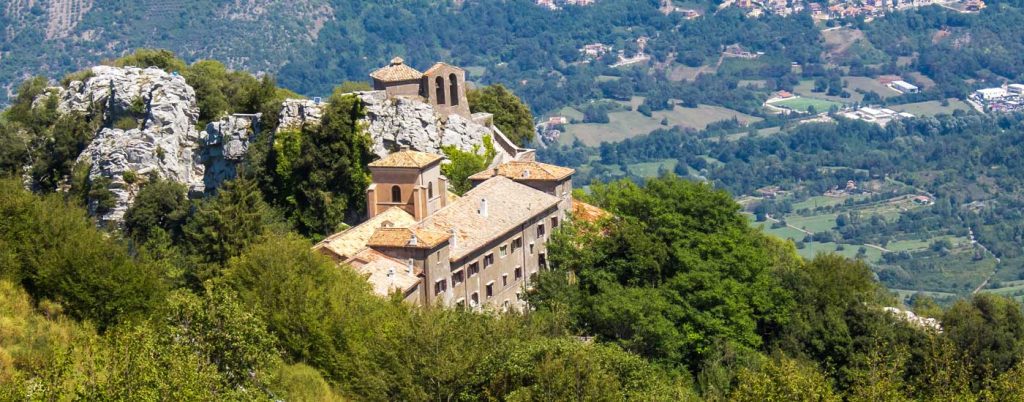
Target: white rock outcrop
[
  {"x": 225, "y": 144},
  {"x": 165, "y": 143},
  {"x": 396, "y": 122}
]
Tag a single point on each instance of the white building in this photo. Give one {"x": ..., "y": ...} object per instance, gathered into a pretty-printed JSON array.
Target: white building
[
  {"x": 904, "y": 86},
  {"x": 1015, "y": 89},
  {"x": 991, "y": 93}
]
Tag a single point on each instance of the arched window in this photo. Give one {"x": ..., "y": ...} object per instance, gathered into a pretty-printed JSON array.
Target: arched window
[
  {"x": 440, "y": 90},
  {"x": 396, "y": 194},
  {"x": 453, "y": 82},
  {"x": 430, "y": 190}
]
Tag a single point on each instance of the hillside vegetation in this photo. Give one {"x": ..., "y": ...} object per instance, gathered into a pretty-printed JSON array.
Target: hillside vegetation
[{"x": 673, "y": 297}]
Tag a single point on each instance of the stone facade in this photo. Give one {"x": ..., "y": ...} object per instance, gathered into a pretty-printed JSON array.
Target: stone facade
[
  {"x": 443, "y": 86},
  {"x": 479, "y": 250}
]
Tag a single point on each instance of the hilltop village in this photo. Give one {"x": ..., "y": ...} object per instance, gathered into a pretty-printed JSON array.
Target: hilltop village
[{"x": 437, "y": 248}]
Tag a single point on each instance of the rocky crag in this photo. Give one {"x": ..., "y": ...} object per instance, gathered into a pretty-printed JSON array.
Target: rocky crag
[
  {"x": 149, "y": 128},
  {"x": 396, "y": 122}
]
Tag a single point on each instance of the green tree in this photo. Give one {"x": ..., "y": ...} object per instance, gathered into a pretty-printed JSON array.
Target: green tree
[
  {"x": 225, "y": 333},
  {"x": 354, "y": 86},
  {"x": 989, "y": 329},
  {"x": 208, "y": 78},
  {"x": 57, "y": 253},
  {"x": 783, "y": 379},
  {"x": 464, "y": 164},
  {"x": 329, "y": 176},
  {"x": 224, "y": 225},
  {"x": 678, "y": 271},
  {"x": 321, "y": 315},
  {"x": 161, "y": 204},
  {"x": 159, "y": 58},
  {"x": 511, "y": 115}
]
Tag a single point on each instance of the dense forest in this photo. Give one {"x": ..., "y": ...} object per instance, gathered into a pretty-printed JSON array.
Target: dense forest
[
  {"x": 672, "y": 297},
  {"x": 534, "y": 51}
]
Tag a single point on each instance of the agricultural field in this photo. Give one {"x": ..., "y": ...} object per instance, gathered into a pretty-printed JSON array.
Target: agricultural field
[
  {"x": 680, "y": 72},
  {"x": 652, "y": 169},
  {"x": 931, "y": 108},
  {"x": 625, "y": 124},
  {"x": 924, "y": 260},
  {"x": 853, "y": 83},
  {"x": 802, "y": 104}
]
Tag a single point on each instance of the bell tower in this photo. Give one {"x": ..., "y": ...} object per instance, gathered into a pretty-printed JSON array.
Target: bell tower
[{"x": 407, "y": 179}]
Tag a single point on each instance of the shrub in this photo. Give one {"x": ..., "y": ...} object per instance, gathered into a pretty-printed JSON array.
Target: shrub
[{"x": 126, "y": 123}]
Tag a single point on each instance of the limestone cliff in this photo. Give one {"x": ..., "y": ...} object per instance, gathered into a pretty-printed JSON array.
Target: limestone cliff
[
  {"x": 396, "y": 122},
  {"x": 164, "y": 143},
  {"x": 149, "y": 128}
]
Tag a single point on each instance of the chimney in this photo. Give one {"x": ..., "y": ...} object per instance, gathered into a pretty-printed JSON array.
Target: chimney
[
  {"x": 455, "y": 237},
  {"x": 526, "y": 173},
  {"x": 391, "y": 272},
  {"x": 408, "y": 266},
  {"x": 413, "y": 240},
  {"x": 483, "y": 207},
  {"x": 496, "y": 174}
]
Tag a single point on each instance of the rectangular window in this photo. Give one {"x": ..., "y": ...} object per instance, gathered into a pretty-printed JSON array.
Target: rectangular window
[
  {"x": 519, "y": 273},
  {"x": 503, "y": 251},
  {"x": 488, "y": 260},
  {"x": 517, "y": 244},
  {"x": 490, "y": 289},
  {"x": 440, "y": 286},
  {"x": 456, "y": 278},
  {"x": 540, "y": 231},
  {"x": 474, "y": 300},
  {"x": 554, "y": 222},
  {"x": 504, "y": 280},
  {"x": 474, "y": 269}
]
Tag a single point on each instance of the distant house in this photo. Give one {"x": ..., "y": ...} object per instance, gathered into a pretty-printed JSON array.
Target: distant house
[
  {"x": 991, "y": 93},
  {"x": 904, "y": 87},
  {"x": 558, "y": 120},
  {"x": 595, "y": 49},
  {"x": 1015, "y": 89},
  {"x": 737, "y": 50},
  {"x": 783, "y": 94}
]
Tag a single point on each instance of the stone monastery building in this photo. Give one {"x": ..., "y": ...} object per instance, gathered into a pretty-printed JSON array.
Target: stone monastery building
[
  {"x": 442, "y": 86},
  {"x": 436, "y": 248}
]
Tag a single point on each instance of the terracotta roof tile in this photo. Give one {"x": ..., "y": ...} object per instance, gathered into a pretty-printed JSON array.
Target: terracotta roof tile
[
  {"x": 407, "y": 159},
  {"x": 414, "y": 237},
  {"x": 509, "y": 205},
  {"x": 396, "y": 71},
  {"x": 345, "y": 244},
  {"x": 385, "y": 274},
  {"x": 527, "y": 170},
  {"x": 438, "y": 66},
  {"x": 587, "y": 212}
]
